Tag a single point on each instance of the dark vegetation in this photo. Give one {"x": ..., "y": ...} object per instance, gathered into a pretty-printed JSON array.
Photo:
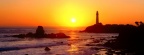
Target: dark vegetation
[{"x": 40, "y": 33}]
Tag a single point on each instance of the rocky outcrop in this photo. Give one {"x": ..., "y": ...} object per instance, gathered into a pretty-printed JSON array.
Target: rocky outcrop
[
  {"x": 129, "y": 40},
  {"x": 40, "y": 33}
]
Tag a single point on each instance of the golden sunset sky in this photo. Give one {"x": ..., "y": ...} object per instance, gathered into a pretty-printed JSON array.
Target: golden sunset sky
[{"x": 69, "y": 13}]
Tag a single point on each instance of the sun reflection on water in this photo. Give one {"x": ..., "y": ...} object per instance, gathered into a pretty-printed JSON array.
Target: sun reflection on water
[{"x": 73, "y": 48}]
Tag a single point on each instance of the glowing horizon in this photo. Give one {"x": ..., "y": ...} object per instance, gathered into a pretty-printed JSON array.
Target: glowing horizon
[{"x": 60, "y": 12}]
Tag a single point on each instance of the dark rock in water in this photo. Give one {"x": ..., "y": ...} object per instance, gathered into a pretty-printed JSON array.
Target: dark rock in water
[
  {"x": 26, "y": 54},
  {"x": 51, "y": 35},
  {"x": 40, "y": 31},
  {"x": 94, "y": 48},
  {"x": 30, "y": 34},
  {"x": 57, "y": 35},
  {"x": 47, "y": 49},
  {"x": 61, "y": 42},
  {"x": 61, "y": 35},
  {"x": 69, "y": 44},
  {"x": 19, "y": 36}
]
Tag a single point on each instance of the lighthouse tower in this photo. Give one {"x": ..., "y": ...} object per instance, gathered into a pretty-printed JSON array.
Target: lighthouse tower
[{"x": 97, "y": 17}]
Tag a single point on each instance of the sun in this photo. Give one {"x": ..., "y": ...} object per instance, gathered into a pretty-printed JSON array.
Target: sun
[{"x": 73, "y": 20}]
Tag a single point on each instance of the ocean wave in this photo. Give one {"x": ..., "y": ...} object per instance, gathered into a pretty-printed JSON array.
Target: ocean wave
[
  {"x": 9, "y": 39},
  {"x": 26, "y": 46}
]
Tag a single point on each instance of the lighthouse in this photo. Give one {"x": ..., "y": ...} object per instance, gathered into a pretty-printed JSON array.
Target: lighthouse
[{"x": 97, "y": 17}]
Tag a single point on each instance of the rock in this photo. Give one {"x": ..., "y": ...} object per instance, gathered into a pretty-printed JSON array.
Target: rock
[
  {"x": 30, "y": 34},
  {"x": 69, "y": 44},
  {"x": 26, "y": 54},
  {"x": 47, "y": 49},
  {"x": 40, "y": 31},
  {"x": 19, "y": 36},
  {"x": 61, "y": 35}
]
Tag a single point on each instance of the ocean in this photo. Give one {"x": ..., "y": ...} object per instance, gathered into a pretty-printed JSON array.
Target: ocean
[{"x": 78, "y": 44}]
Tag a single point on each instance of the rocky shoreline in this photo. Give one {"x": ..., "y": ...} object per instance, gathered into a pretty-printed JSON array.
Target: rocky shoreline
[{"x": 129, "y": 41}]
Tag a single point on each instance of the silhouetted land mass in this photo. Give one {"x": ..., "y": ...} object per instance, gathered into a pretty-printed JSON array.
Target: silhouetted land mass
[
  {"x": 109, "y": 28},
  {"x": 40, "y": 33},
  {"x": 130, "y": 39}
]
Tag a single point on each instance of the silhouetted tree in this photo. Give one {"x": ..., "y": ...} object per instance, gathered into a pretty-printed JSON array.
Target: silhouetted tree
[
  {"x": 137, "y": 23},
  {"x": 141, "y": 23}
]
